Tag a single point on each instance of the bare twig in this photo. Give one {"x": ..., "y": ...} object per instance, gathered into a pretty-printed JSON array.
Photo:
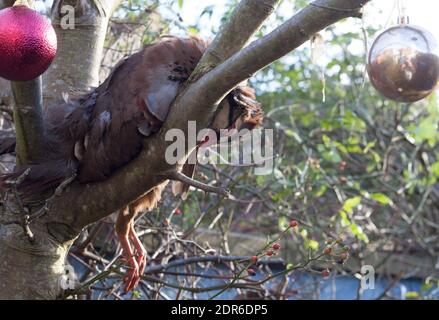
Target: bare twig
[{"x": 178, "y": 176}]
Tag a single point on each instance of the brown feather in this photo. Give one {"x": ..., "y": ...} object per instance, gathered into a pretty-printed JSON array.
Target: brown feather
[
  {"x": 99, "y": 132},
  {"x": 7, "y": 143}
]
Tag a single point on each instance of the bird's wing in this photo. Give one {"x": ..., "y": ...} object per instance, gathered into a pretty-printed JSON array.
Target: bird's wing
[
  {"x": 94, "y": 135},
  {"x": 133, "y": 102}
]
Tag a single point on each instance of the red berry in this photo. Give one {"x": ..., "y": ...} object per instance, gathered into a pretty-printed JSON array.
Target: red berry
[
  {"x": 254, "y": 259},
  {"x": 251, "y": 272},
  {"x": 294, "y": 223},
  {"x": 342, "y": 165},
  {"x": 276, "y": 246},
  {"x": 328, "y": 251},
  {"x": 325, "y": 273},
  {"x": 178, "y": 212},
  {"x": 269, "y": 253},
  {"x": 344, "y": 255}
]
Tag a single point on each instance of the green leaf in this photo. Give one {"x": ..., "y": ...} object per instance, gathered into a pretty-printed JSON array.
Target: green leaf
[
  {"x": 412, "y": 295},
  {"x": 180, "y": 4},
  {"x": 192, "y": 30},
  {"x": 381, "y": 198},
  {"x": 137, "y": 294},
  {"x": 369, "y": 146},
  {"x": 344, "y": 219},
  {"x": 321, "y": 191},
  {"x": 311, "y": 244},
  {"x": 289, "y": 133},
  {"x": 326, "y": 140},
  {"x": 348, "y": 207},
  {"x": 340, "y": 147},
  {"x": 283, "y": 223},
  {"x": 358, "y": 232},
  {"x": 426, "y": 130},
  {"x": 435, "y": 168},
  {"x": 426, "y": 286},
  {"x": 351, "y": 203}
]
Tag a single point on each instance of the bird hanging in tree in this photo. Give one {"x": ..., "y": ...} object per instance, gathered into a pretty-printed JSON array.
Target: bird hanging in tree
[{"x": 94, "y": 135}]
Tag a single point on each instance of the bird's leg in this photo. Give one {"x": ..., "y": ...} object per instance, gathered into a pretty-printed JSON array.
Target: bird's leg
[
  {"x": 123, "y": 228},
  {"x": 178, "y": 176},
  {"x": 140, "y": 251}
]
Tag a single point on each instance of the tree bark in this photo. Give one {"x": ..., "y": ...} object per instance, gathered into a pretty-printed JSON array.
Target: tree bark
[
  {"x": 81, "y": 205},
  {"x": 28, "y": 120},
  {"x": 254, "y": 12},
  {"x": 77, "y": 63}
]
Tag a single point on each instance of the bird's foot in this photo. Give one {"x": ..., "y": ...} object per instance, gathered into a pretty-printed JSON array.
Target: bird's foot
[
  {"x": 132, "y": 276},
  {"x": 141, "y": 261},
  {"x": 141, "y": 253}
]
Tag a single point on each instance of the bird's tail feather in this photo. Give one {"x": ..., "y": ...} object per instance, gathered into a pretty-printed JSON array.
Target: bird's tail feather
[
  {"x": 33, "y": 180},
  {"x": 7, "y": 144}
]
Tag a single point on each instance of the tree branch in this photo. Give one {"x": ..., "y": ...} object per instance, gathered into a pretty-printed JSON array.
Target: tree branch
[
  {"x": 28, "y": 120},
  {"x": 76, "y": 66},
  {"x": 82, "y": 205},
  {"x": 254, "y": 13},
  {"x": 5, "y": 93},
  {"x": 242, "y": 65},
  {"x": 178, "y": 176}
]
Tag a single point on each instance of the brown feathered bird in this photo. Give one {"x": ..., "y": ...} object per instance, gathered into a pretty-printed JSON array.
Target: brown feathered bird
[{"x": 95, "y": 135}]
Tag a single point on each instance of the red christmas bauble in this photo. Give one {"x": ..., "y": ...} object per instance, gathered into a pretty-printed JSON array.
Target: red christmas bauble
[{"x": 27, "y": 43}]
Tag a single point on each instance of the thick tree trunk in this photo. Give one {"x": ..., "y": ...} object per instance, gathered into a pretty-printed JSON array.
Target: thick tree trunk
[
  {"x": 31, "y": 270},
  {"x": 36, "y": 269}
]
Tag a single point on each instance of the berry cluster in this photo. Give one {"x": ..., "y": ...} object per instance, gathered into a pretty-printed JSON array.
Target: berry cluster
[{"x": 270, "y": 249}]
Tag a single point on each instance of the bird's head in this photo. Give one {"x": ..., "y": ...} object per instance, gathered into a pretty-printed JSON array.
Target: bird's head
[{"x": 238, "y": 110}]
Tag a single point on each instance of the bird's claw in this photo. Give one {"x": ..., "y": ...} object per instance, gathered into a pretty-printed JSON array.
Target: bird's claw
[
  {"x": 141, "y": 261},
  {"x": 132, "y": 276}
]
